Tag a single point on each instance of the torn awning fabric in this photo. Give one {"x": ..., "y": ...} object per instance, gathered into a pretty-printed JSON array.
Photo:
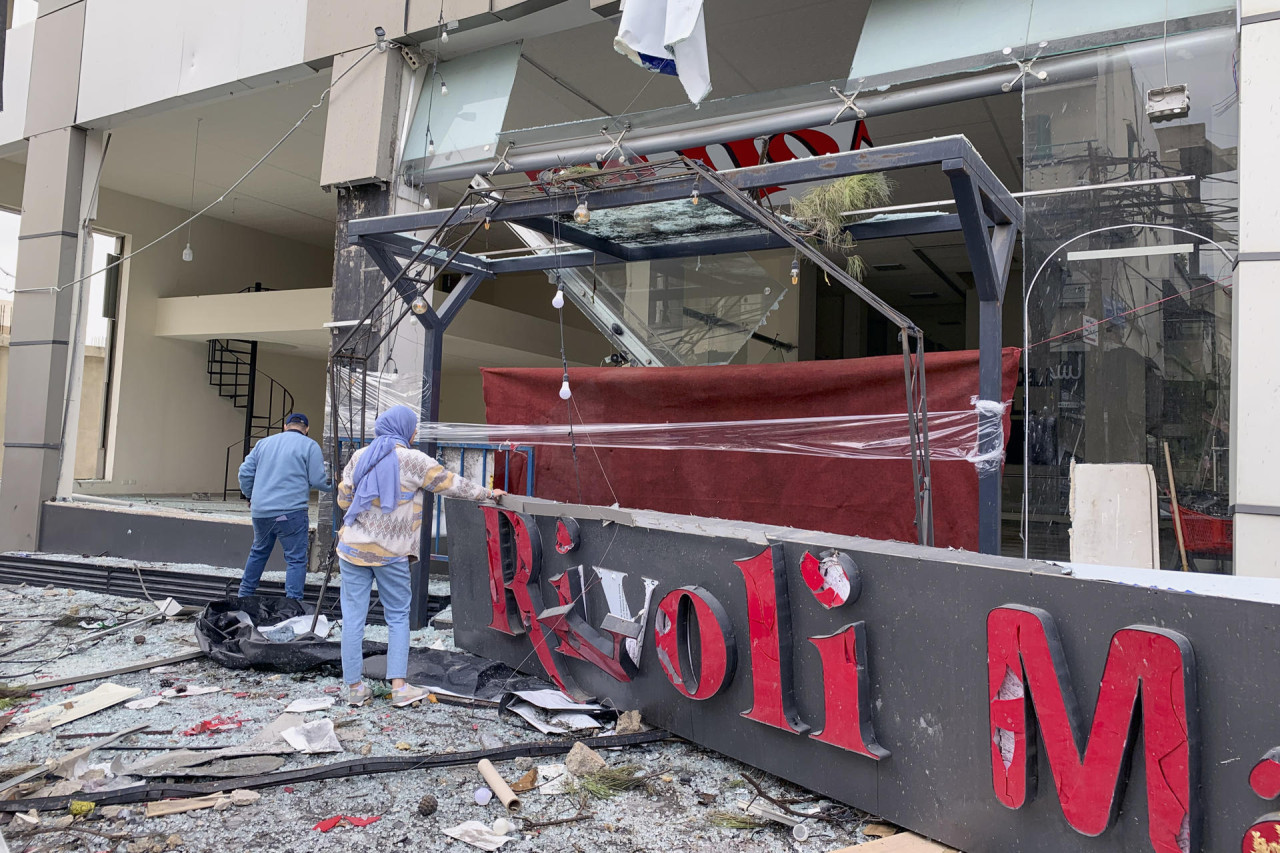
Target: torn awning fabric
[{"x": 228, "y": 632}]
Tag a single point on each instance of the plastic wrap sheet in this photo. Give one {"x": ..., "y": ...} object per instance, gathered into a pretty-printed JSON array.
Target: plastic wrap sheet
[
  {"x": 365, "y": 394},
  {"x": 976, "y": 435}
]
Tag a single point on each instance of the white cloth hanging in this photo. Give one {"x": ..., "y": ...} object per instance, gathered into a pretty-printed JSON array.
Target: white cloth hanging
[{"x": 669, "y": 37}]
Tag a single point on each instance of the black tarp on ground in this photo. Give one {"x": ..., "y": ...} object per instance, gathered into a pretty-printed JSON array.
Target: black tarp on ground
[
  {"x": 227, "y": 632},
  {"x": 458, "y": 672}
]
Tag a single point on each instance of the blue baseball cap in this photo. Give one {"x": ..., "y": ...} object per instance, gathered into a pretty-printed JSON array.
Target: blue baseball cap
[{"x": 298, "y": 418}]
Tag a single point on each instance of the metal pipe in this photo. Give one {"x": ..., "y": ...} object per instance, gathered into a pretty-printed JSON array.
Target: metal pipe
[{"x": 645, "y": 141}]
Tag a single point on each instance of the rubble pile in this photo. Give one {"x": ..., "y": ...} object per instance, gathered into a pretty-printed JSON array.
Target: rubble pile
[{"x": 114, "y": 745}]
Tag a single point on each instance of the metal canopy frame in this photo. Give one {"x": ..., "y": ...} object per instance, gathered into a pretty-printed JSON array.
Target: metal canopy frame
[{"x": 988, "y": 216}]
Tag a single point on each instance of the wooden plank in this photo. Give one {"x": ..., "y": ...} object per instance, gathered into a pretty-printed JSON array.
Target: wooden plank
[
  {"x": 903, "y": 842},
  {"x": 170, "y": 807},
  {"x": 124, "y": 670}
]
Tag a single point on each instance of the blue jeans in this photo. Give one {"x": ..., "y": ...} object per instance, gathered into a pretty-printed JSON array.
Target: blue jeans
[
  {"x": 291, "y": 529},
  {"x": 393, "y": 592}
]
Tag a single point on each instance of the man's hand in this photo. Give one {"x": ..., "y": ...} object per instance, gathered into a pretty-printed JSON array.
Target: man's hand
[{"x": 497, "y": 495}]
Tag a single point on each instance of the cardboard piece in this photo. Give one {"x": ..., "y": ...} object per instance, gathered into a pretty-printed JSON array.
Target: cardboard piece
[
  {"x": 60, "y": 713},
  {"x": 902, "y": 842}
]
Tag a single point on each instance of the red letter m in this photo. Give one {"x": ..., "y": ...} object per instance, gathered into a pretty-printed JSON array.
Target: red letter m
[{"x": 1025, "y": 661}]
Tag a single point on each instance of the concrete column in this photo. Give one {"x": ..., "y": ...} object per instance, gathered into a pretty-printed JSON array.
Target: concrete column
[
  {"x": 41, "y": 332},
  {"x": 360, "y": 143},
  {"x": 1255, "y": 397}
]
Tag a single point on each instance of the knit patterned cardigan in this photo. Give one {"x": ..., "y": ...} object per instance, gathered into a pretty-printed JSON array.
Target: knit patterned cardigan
[{"x": 375, "y": 538}]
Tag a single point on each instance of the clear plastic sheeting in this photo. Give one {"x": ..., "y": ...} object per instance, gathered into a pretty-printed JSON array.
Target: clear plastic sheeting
[
  {"x": 988, "y": 453},
  {"x": 363, "y": 395},
  {"x": 954, "y": 436}
]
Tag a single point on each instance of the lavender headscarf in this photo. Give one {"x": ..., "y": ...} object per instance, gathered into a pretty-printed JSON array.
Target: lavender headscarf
[{"x": 377, "y": 473}]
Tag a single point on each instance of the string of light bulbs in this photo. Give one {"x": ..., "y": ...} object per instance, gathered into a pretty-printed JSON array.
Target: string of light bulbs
[{"x": 380, "y": 46}]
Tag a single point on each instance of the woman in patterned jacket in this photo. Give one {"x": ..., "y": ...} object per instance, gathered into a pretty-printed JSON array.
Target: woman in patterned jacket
[{"x": 381, "y": 494}]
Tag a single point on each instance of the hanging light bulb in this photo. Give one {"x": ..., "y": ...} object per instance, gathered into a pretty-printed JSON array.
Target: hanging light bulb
[
  {"x": 557, "y": 301},
  {"x": 694, "y": 198},
  {"x": 444, "y": 90},
  {"x": 418, "y": 305},
  {"x": 582, "y": 214},
  {"x": 187, "y": 254},
  {"x": 795, "y": 271},
  {"x": 444, "y": 36},
  {"x": 487, "y": 223},
  {"x": 431, "y": 148},
  {"x": 565, "y": 393}
]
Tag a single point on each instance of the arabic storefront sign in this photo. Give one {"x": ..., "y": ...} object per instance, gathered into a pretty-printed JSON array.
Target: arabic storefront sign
[{"x": 994, "y": 704}]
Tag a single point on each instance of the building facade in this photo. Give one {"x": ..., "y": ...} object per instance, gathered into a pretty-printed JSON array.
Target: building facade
[{"x": 1139, "y": 293}]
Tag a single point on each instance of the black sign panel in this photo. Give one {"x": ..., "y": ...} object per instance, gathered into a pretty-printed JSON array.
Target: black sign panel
[{"x": 991, "y": 703}]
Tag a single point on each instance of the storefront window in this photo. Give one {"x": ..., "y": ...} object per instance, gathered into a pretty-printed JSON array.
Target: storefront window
[{"x": 1128, "y": 298}]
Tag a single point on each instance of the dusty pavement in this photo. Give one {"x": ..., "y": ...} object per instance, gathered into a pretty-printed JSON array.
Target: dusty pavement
[{"x": 686, "y": 796}]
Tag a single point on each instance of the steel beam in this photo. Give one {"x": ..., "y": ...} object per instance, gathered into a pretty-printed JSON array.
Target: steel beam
[
  {"x": 885, "y": 158},
  {"x": 940, "y": 223},
  {"x": 400, "y": 246}
]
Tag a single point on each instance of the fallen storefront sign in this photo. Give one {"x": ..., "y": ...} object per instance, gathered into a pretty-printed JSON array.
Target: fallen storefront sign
[{"x": 907, "y": 693}]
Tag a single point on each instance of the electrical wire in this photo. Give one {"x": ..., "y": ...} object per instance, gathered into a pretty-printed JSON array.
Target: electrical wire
[{"x": 186, "y": 222}]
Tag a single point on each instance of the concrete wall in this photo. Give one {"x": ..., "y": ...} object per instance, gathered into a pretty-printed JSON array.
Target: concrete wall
[
  {"x": 172, "y": 428},
  {"x": 143, "y": 55}
]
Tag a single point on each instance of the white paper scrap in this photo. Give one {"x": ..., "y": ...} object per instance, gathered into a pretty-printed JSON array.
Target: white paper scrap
[
  {"x": 302, "y": 706},
  {"x": 557, "y": 778},
  {"x": 315, "y": 736},
  {"x": 143, "y": 704},
  {"x": 476, "y": 834},
  {"x": 554, "y": 700}
]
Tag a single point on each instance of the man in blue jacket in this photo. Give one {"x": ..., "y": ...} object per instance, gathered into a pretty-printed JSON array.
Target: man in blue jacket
[{"x": 277, "y": 477}]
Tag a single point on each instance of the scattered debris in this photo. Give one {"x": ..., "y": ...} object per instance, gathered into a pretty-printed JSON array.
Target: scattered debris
[
  {"x": 527, "y": 782},
  {"x": 558, "y": 779},
  {"x": 879, "y": 830},
  {"x": 552, "y": 712},
  {"x": 60, "y": 713},
  {"x": 427, "y": 805},
  {"x": 313, "y": 737},
  {"x": 483, "y": 796},
  {"x": 499, "y": 785},
  {"x": 629, "y": 723},
  {"x": 476, "y": 834},
  {"x": 216, "y": 724},
  {"x": 144, "y": 704},
  {"x": 351, "y": 820},
  {"x": 153, "y": 665},
  {"x": 611, "y": 781},
  {"x": 296, "y": 628},
  {"x": 139, "y": 639},
  {"x": 80, "y": 808},
  {"x": 304, "y": 706},
  {"x": 189, "y": 690},
  {"x": 735, "y": 820},
  {"x": 583, "y": 761},
  {"x": 213, "y": 801}
]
